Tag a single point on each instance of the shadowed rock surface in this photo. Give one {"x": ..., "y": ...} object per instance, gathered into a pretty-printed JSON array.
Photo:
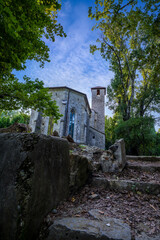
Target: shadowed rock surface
[
  {"x": 100, "y": 228},
  {"x": 34, "y": 178}
]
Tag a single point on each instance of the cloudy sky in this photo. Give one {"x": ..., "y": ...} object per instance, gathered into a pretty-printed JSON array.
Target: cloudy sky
[{"x": 72, "y": 64}]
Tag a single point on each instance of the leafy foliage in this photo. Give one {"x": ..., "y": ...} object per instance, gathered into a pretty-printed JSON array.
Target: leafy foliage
[
  {"x": 110, "y": 125},
  {"x": 139, "y": 135},
  {"x": 23, "y": 26},
  {"x": 29, "y": 94},
  {"x": 130, "y": 41},
  {"x": 6, "y": 120}
]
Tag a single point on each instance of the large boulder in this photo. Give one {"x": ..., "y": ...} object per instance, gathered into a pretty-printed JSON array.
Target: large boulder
[{"x": 34, "y": 179}]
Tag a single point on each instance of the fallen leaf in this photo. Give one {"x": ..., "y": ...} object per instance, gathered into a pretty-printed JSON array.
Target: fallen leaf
[
  {"x": 139, "y": 193},
  {"x": 73, "y": 199},
  {"x": 153, "y": 207},
  {"x": 101, "y": 212}
]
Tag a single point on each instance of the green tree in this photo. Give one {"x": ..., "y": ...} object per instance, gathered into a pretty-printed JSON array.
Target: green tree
[
  {"x": 27, "y": 94},
  {"x": 7, "y": 118},
  {"x": 130, "y": 41},
  {"x": 5, "y": 122},
  {"x": 21, "y": 118},
  {"x": 110, "y": 126},
  {"x": 23, "y": 26},
  {"x": 139, "y": 135}
]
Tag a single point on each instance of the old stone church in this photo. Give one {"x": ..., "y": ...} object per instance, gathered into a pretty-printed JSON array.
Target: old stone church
[{"x": 86, "y": 125}]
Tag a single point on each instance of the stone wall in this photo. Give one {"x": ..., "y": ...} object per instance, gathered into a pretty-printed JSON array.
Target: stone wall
[
  {"x": 77, "y": 102},
  {"x": 38, "y": 123},
  {"x": 96, "y": 138},
  {"x": 61, "y": 97},
  {"x": 66, "y": 99},
  {"x": 89, "y": 127},
  {"x": 34, "y": 179}
]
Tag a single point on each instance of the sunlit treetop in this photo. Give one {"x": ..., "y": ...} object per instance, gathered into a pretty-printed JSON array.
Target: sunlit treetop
[
  {"x": 22, "y": 26},
  {"x": 129, "y": 38}
]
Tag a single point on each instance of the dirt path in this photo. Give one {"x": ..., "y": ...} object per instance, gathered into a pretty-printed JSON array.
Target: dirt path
[{"x": 140, "y": 211}]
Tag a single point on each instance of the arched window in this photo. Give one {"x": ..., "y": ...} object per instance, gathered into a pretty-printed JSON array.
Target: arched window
[
  {"x": 98, "y": 92},
  {"x": 71, "y": 122}
]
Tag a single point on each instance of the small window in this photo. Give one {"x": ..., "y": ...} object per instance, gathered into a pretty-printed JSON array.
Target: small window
[
  {"x": 98, "y": 91},
  {"x": 93, "y": 137}
]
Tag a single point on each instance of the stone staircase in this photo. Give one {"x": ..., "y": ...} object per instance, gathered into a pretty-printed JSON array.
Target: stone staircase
[
  {"x": 108, "y": 208},
  {"x": 145, "y": 163},
  {"x": 145, "y": 180}
]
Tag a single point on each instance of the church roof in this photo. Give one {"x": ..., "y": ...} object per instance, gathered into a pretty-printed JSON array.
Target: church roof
[
  {"x": 99, "y": 87},
  {"x": 73, "y": 90}
]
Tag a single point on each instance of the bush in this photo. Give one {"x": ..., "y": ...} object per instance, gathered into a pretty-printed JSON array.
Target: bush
[
  {"x": 139, "y": 135},
  {"x": 110, "y": 125},
  {"x": 6, "y": 121},
  {"x": 21, "y": 118}
]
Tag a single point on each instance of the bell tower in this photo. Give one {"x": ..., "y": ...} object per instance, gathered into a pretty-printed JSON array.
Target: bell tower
[{"x": 98, "y": 105}]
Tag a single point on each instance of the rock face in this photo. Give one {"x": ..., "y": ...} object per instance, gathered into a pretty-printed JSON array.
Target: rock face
[
  {"x": 114, "y": 159},
  {"x": 101, "y": 228},
  {"x": 16, "y": 127},
  {"x": 34, "y": 179}
]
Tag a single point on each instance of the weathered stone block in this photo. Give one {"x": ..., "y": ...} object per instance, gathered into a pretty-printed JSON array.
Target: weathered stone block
[
  {"x": 114, "y": 160},
  {"x": 87, "y": 229},
  {"x": 34, "y": 179}
]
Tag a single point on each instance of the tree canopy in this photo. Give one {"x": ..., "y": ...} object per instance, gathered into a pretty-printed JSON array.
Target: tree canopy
[
  {"x": 130, "y": 41},
  {"x": 138, "y": 133},
  {"x": 23, "y": 27},
  {"x": 8, "y": 118}
]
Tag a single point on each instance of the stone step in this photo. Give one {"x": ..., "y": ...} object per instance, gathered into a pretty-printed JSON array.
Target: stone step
[
  {"x": 143, "y": 158},
  {"x": 143, "y": 236},
  {"x": 97, "y": 228},
  {"x": 127, "y": 185},
  {"x": 147, "y": 166}
]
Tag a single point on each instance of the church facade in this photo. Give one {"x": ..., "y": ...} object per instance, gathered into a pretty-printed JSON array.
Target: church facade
[{"x": 85, "y": 125}]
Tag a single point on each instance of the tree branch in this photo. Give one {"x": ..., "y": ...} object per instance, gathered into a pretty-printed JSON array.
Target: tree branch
[
  {"x": 131, "y": 1},
  {"x": 125, "y": 5},
  {"x": 119, "y": 63},
  {"x": 147, "y": 105}
]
